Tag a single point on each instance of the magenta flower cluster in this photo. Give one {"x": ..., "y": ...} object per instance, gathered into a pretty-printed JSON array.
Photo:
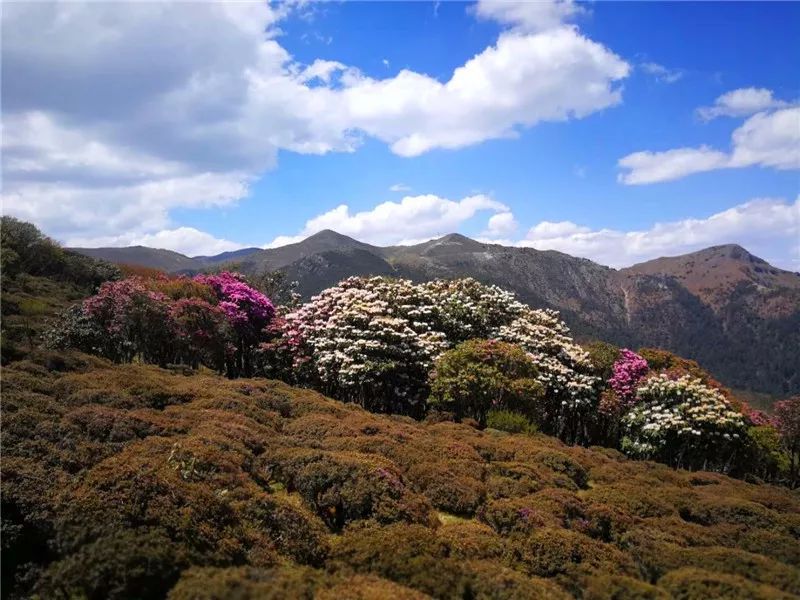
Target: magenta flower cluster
[
  {"x": 247, "y": 309},
  {"x": 628, "y": 370},
  {"x": 216, "y": 320}
]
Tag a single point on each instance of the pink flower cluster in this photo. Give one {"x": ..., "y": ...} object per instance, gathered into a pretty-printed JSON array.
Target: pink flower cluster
[
  {"x": 628, "y": 370},
  {"x": 247, "y": 309}
]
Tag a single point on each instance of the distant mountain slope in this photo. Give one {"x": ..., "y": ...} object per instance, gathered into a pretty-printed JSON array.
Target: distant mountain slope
[
  {"x": 732, "y": 311},
  {"x": 164, "y": 260}
]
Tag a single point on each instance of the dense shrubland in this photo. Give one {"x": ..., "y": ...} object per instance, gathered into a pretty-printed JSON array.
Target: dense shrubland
[{"x": 125, "y": 481}]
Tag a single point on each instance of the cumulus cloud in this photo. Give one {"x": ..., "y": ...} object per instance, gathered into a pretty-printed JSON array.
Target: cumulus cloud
[
  {"x": 501, "y": 224},
  {"x": 740, "y": 103},
  {"x": 414, "y": 218},
  {"x": 399, "y": 187},
  {"x": 662, "y": 73},
  {"x": 528, "y": 16},
  {"x": 768, "y": 227},
  {"x": 117, "y": 100},
  {"x": 767, "y": 139}
]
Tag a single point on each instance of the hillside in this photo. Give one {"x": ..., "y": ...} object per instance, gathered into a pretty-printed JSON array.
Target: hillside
[
  {"x": 733, "y": 312},
  {"x": 123, "y": 481}
]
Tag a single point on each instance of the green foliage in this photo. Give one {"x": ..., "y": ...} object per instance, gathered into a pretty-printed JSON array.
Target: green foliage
[
  {"x": 478, "y": 376},
  {"x": 27, "y": 251},
  {"x": 509, "y": 421},
  {"x": 602, "y": 357},
  {"x": 764, "y": 454}
]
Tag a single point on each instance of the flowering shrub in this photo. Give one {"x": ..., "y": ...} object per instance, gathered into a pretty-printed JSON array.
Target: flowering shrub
[
  {"x": 787, "y": 422},
  {"x": 247, "y": 310},
  {"x": 134, "y": 319},
  {"x": 374, "y": 341},
  {"x": 202, "y": 333},
  {"x": 681, "y": 421},
  {"x": 216, "y": 320},
  {"x": 628, "y": 370}
]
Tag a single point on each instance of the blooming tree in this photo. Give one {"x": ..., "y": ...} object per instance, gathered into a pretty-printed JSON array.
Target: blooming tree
[
  {"x": 134, "y": 319},
  {"x": 682, "y": 422},
  {"x": 247, "y": 310},
  {"x": 628, "y": 370}
]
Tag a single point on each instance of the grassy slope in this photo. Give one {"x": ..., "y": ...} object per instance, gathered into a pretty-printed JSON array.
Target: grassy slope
[
  {"x": 122, "y": 481},
  {"x": 28, "y": 303}
]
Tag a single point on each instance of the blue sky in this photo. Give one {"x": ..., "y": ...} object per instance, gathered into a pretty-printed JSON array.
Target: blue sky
[{"x": 619, "y": 131}]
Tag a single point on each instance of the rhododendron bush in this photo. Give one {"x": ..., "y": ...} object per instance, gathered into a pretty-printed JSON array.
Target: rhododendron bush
[
  {"x": 682, "y": 422},
  {"x": 216, "y": 320},
  {"x": 628, "y": 370},
  {"x": 375, "y": 340}
]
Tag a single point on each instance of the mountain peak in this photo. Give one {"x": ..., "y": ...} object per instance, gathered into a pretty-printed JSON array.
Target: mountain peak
[
  {"x": 329, "y": 235},
  {"x": 455, "y": 238}
]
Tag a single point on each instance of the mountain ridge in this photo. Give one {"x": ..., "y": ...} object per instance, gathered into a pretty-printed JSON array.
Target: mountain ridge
[{"x": 723, "y": 306}]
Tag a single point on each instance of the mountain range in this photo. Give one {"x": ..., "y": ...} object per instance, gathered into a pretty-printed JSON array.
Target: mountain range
[{"x": 731, "y": 311}]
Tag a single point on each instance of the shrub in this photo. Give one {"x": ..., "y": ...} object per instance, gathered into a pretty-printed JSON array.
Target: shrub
[
  {"x": 602, "y": 586},
  {"x": 508, "y": 515},
  {"x": 682, "y": 422},
  {"x": 470, "y": 540},
  {"x": 410, "y": 555},
  {"x": 344, "y": 487},
  {"x": 117, "y": 566},
  {"x": 699, "y": 584},
  {"x": 626, "y": 373},
  {"x": 787, "y": 421},
  {"x": 447, "y": 487},
  {"x": 478, "y": 376},
  {"x": 561, "y": 463},
  {"x": 367, "y": 587},
  {"x": 550, "y": 552},
  {"x": 246, "y": 583},
  {"x": 488, "y": 580},
  {"x": 763, "y": 455},
  {"x": 602, "y": 357},
  {"x": 633, "y": 499},
  {"x": 509, "y": 421}
]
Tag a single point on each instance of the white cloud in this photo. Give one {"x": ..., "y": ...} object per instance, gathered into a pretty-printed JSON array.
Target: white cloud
[
  {"x": 65, "y": 211},
  {"x": 528, "y": 16},
  {"x": 652, "y": 167},
  {"x": 186, "y": 240},
  {"x": 662, "y": 73},
  {"x": 767, "y": 139},
  {"x": 740, "y": 103},
  {"x": 768, "y": 227},
  {"x": 501, "y": 224},
  {"x": 415, "y": 218},
  {"x": 399, "y": 187}
]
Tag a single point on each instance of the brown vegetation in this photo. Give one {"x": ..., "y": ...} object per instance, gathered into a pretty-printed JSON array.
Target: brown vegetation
[{"x": 133, "y": 481}]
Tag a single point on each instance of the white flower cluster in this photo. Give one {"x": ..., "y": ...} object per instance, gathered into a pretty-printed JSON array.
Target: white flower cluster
[
  {"x": 680, "y": 411},
  {"x": 370, "y": 333}
]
